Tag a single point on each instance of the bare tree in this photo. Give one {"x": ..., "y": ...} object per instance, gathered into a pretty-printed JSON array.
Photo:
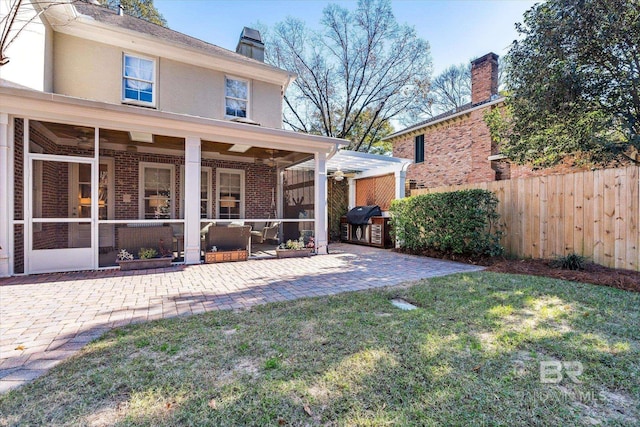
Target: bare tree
[
  {"x": 360, "y": 71},
  {"x": 18, "y": 16},
  {"x": 21, "y": 13},
  {"x": 449, "y": 90}
]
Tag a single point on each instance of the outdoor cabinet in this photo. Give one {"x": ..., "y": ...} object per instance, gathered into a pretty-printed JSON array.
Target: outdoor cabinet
[{"x": 375, "y": 233}]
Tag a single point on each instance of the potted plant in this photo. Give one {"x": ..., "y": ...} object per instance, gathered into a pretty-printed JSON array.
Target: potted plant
[
  {"x": 147, "y": 258},
  {"x": 295, "y": 248}
]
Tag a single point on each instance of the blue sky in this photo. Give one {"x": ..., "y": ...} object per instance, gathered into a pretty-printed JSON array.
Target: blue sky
[{"x": 457, "y": 30}]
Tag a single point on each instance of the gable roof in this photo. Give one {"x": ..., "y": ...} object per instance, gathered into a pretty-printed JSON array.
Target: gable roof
[
  {"x": 466, "y": 108},
  {"x": 99, "y": 23},
  {"x": 107, "y": 16}
]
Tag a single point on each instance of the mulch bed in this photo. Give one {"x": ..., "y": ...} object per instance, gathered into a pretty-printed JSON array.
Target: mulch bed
[{"x": 592, "y": 273}]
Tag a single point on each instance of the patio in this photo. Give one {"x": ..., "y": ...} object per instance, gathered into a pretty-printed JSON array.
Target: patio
[{"x": 48, "y": 318}]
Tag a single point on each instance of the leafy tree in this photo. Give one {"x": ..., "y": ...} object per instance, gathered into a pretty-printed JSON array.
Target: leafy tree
[
  {"x": 356, "y": 74},
  {"x": 139, "y": 8},
  {"x": 574, "y": 83}
]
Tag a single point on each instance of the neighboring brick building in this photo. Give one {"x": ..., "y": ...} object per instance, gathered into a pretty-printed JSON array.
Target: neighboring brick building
[{"x": 456, "y": 147}]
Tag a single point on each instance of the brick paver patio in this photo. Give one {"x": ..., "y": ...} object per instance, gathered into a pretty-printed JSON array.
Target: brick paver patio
[{"x": 46, "y": 318}]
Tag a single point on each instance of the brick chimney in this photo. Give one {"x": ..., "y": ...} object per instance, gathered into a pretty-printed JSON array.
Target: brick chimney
[
  {"x": 484, "y": 78},
  {"x": 250, "y": 44}
]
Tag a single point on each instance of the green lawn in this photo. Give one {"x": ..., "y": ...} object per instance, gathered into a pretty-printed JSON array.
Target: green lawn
[{"x": 470, "y": 355}]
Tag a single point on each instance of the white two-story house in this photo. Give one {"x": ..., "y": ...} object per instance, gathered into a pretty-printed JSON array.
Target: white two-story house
[{"x": 108, "y": 121}]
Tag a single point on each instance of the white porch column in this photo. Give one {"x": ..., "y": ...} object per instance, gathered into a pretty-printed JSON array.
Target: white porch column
[
  {"x": 5, "y": 195},
  {"x": 401, "y": 179},
  {"x": 320, "y": 203},
  {"x": 352, "y": 193},
  {"x": 192, "y": 200}
]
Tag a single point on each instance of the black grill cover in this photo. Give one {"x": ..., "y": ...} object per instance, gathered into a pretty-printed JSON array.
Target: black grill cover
[{"x": 360, "y": 214}]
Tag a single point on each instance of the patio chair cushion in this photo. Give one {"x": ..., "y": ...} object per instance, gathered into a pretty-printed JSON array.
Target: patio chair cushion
[
  {"x": 229, "y": 238},
  {"x": 269, "y": 232},
  {"x": 134, "y": 238}
]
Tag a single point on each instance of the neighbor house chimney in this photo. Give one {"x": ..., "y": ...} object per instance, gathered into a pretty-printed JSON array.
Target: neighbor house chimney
[
  {"x": 250, "y": 44},
  {"x": 484, "y": 78}
]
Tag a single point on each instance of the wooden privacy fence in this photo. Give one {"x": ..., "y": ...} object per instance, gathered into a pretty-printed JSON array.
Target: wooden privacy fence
[{"x": 593, "y": 213}]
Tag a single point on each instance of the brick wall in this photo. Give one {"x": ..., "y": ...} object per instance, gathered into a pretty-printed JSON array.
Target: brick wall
[{"x": 456, "y": 152}]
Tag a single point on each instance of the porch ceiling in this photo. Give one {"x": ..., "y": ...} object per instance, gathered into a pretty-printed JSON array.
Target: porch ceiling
[{"x": 71, "y": 134}]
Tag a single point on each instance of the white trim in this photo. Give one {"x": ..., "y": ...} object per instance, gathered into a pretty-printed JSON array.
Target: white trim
[
  {"x": 443, "y": 119},
  {"x": 65, "y": 109},
  {"x": 209, "y": 171},
  {"x": 320, "y": 204},
  {"x": 11, "y": 193},
  {"x": 172, "y": 198},
  {"x": 240, "y": 172},
  {"x": 154, "y": 82},
  {"x": 49, "y": 260},
  {"x": 248, "y": 100}
]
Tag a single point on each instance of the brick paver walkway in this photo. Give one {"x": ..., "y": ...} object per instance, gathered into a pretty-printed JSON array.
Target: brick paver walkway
[{"x": 46, "y": 318}]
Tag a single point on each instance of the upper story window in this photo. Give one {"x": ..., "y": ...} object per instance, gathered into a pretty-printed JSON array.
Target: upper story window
[
  {"x": 236, "y": 97},
  {"x": 419, "y": 149},
  {"x": 138, "y": 80}
]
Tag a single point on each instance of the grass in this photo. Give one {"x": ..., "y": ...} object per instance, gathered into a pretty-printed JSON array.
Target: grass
[{"x": 470, "y": 355}]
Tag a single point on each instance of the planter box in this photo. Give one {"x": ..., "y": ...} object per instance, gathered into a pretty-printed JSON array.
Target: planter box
[
  {"x": 140, "y": 264},
  {"x": 225, "y": 256},
  {"x": 293, "y": 253}
]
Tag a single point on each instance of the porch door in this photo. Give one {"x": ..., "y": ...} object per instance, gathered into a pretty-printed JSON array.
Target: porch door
[{"x": 60, "y": 219}]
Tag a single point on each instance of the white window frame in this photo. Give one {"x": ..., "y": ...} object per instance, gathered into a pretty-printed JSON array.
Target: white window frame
[
  {"x": 154, "y": 85},
  {"x": 37, "y": 183},
  {"x": 141, "y": 169},
  {"x": 240, "y": 172},
  {"x": 248, "y": 100},
  {"x": 209, "y": 199}
]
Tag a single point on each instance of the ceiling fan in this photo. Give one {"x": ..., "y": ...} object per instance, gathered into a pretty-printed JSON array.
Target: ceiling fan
[
  {"x": 339, "y": 175},
  {"x": 271, "y": 161}
]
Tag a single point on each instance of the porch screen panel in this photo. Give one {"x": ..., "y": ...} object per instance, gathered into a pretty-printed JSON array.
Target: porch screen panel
[
  {"x": 299, "y": 203},
  {"x": 61, "y": 191},
  {"x": 61, "y": 139}
]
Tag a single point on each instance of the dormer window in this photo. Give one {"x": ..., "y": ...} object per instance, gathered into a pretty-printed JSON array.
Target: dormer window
[
  {"x": 236, "y": 97},
  {"x": 138, "y": 80}
]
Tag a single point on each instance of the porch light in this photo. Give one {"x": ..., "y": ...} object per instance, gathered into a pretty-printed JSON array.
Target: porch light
[
  {"x": 227, "y": 202},
  {"x": 338, "y": 175}
]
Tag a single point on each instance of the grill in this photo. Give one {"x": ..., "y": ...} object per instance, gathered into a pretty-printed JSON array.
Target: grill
[
  {"x": 361, "y": 215},
  {"x": 365, "y": 225}
]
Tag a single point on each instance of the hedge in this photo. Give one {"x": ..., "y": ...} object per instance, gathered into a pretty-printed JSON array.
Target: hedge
[{"x": 459, "y": 222}]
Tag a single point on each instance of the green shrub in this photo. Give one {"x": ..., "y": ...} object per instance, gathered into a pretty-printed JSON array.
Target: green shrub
[
  {"x": 572, "y": 261},
  {"x": 146, "y": 253},
  {"x": 459, "y": 222}
]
